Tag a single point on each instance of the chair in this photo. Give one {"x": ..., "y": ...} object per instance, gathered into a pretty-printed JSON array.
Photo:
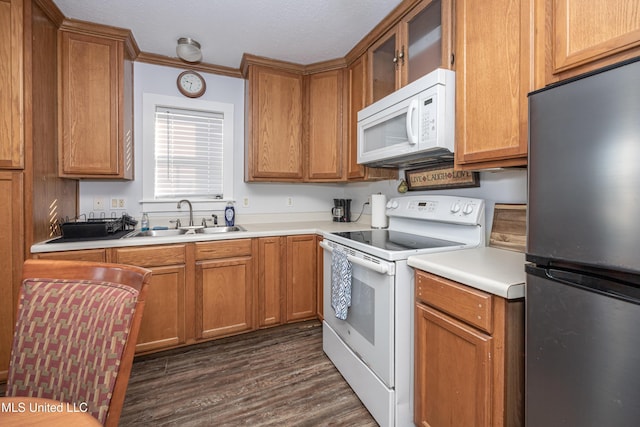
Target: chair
[{"x": 76, "y": 330}]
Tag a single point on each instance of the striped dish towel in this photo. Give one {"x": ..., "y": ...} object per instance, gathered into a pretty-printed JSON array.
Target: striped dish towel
[{"x": 340, "y": 283}]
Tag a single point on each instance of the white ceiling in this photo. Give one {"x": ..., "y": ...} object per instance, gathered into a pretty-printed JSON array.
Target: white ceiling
[{"x": 299, "y": 31}]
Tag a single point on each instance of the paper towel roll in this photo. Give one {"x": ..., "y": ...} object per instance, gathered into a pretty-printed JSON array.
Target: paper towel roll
[{"x": 378, "y": 206}]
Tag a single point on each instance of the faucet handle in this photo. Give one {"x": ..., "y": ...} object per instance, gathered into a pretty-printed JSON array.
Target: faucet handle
[
  {"x": 176, "y": 222},
  {"x": 204, "y": 222}
]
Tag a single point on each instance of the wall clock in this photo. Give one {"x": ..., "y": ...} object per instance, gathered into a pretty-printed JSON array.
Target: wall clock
[{"x": 191, "y": 84}]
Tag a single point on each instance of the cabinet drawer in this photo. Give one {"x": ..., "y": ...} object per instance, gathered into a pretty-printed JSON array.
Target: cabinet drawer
[
  {"x": 151, "y": 256},
  {"x": 223, "y": 249},
  {"x": 97, "y": 255},
  {"x": 467, "y": 304}
]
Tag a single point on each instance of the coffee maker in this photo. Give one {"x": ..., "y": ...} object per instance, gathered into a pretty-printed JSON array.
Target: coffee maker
[{"x": 341, "y": 210}]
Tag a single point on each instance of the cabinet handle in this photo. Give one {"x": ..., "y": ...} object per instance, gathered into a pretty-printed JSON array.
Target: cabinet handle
[
  {"x": 401, "y": 55},
  {"x": 395, "y": 58}
]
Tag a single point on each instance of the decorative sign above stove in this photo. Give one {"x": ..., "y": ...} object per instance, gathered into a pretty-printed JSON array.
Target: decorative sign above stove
[{"x": 440, "y": 177}]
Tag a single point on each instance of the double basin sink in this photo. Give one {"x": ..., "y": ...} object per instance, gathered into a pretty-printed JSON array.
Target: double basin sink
[{"x": 186, "y": 231}]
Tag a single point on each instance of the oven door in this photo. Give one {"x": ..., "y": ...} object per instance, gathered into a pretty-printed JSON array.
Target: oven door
[{"x": 368, "y": 328}]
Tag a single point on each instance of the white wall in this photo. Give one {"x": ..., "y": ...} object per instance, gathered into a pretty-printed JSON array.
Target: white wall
[{"x": 268, "y": 198}]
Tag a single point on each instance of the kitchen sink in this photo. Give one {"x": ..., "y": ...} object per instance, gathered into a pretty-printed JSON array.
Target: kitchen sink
[
  {"x": 216, "y": 230},
  {"x": 186, "y": 231},
  {"x": 159, "y": 233}
]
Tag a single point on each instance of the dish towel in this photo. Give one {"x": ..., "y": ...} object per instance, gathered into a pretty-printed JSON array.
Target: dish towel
[{"x": 340, "y": 283}]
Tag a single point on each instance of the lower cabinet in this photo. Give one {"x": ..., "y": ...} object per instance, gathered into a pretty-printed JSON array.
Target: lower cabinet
[
  {"x": 272, "y": 253},
  {"x": 206, "y": 290},
  {"x": 301, "y": 277},
  {"x": 469, "y": 356},
  {"x": 287, "y": 279},
  {"x": 224, "y": 295},
  {"x": 164, "y": 318}
]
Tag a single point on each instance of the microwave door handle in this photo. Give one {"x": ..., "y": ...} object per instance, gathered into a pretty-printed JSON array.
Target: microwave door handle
[{"x": 412, "y": 136}]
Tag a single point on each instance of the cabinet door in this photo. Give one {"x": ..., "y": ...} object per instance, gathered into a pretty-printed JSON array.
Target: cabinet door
[
  {"x": 164, "y": 318},
  {"x": 493, "y": 77},
  {"x": 224, "y": 297},
  {"x": 384, "y": 66},
  {"x": 11, "y": 248},
  {"x": 428, "y": 33},
  {"x": 92, "y": 133},
  {"x": 325, "y": 157},
  {"x": 271, "y": 284},
  {"x": 274, "y": 125},
  {"x": 301, "y": 277},
  {"x": 11, "y": 85},
  {"x": 453, "y": 368},
  {"x": 588, "y": 36}
]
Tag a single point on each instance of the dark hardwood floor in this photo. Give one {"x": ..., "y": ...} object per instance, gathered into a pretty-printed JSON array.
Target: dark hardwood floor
[{"x": 273, "y": 377}]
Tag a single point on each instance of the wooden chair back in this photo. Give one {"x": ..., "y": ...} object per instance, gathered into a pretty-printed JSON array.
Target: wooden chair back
[{"x": 48, "y": 280}]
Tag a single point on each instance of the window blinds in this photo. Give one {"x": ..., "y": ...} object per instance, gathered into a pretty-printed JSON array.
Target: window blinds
[{"x": 188, "y": 153}]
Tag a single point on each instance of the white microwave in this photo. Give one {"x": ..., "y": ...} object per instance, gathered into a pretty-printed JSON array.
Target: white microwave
[{"x": 415, "y": 125}]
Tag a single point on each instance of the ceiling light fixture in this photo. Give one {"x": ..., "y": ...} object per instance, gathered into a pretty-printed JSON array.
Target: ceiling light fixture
[{"x": 189, "y": 50}]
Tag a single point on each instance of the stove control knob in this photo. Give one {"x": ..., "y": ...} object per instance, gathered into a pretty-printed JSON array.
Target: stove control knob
[
  {"x": 455, "y": 208},
  {"x": 468, "y": 208},
  {"x": 394, "y": 204},
  {"x": 389, "y": 204}
]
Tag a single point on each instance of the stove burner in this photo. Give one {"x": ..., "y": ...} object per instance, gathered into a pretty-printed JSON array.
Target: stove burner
[{"x": 394, "y": 240}]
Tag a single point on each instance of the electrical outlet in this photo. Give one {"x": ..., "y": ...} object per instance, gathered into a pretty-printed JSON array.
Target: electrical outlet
[
  {"x": 289, "y": 201},
  {"x": 245, "y": 202},
  {"x": 118, "y": 203},
  {"x": 98, "y": 203}
]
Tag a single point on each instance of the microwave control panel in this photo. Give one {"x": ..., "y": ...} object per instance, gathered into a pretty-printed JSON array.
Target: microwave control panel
[{"x": 428, "y": 114}]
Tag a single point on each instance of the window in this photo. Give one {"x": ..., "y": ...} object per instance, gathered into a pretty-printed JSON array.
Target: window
[
  {"x": 187, "y": 150},
  {"x": 188, "y": 153}
]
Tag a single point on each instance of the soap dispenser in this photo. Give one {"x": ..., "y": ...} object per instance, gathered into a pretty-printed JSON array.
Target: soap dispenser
[{"x": 229, "y": 215}]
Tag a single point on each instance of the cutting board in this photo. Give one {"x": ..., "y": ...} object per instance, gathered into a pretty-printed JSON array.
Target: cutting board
[{"x": 509, "y": 229}]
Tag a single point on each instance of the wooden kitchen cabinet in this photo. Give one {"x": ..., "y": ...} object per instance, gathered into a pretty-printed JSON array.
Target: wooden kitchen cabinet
[
  {"x": 324, "y": 139},
  {"x": 165, "y": 316},
  {"x": 224, "y": 288},
  {"x": 272, "y": 255},
  {"x": 578, "y": 38},
  {"x": 418, "y": 44},
  {"x": 494, "y": 63},
  {"x": 274, "y": 144},
  {"x": 96, "y": 102},
  {"x": 301, "y": 277},
  {"x": 469, "y": 356},
  {"x": 11, "y": 244},
  {"x": 357, "y": 96},
  {"x": 94, "y": 255},
  {"x": 11, "y": 84}
]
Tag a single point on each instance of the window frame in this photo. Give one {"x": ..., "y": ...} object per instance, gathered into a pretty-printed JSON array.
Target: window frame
[{"x": 149, "y": 103}]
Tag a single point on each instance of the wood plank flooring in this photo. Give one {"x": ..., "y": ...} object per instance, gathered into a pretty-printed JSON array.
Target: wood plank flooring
[{"x": 273, "y": 377}]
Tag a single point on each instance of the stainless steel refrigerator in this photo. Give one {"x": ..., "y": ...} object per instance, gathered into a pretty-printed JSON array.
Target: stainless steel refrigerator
[{"x": 583, "y": 286}]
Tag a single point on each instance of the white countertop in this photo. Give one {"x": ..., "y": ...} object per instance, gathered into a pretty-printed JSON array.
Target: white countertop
[
  {"x": 252, "y": 230},
  {"x": 496, "y": 271}
]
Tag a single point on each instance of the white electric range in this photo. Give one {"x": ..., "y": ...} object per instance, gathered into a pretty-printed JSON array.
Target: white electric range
[{"x": 373, "y": 347}]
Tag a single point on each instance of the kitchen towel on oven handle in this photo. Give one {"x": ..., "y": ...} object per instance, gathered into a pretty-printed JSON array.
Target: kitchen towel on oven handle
[{"x": 340, "y": 283}]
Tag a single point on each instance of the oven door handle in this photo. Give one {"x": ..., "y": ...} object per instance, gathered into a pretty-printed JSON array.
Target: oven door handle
[{"x": 378, "y": 268}]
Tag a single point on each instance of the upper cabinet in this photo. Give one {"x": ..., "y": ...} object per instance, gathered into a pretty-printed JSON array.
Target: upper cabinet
[
  {"x": 494, "y": 62},
  {"x": 96, "y": 101},
  {"x": 581, "y": 38},
  {"x": 11, "y": 85},
  {"x": 325, "y": 149},
  {"x": 273, "y": 118},
  {"x": 420, "y": 42},
  {"x": 356, "y": 78}
]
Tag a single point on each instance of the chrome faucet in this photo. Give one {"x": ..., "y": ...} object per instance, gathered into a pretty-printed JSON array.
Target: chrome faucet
[{"x": 190, "y": 210}]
